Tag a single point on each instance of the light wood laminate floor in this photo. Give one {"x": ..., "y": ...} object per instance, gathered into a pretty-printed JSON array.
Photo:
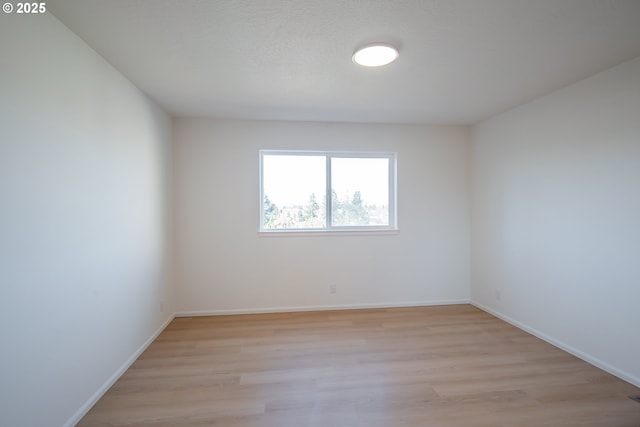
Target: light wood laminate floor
[{"x": 445, "y": 366}]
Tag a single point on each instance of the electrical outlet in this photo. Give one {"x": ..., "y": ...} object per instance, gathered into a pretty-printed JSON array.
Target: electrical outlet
[
  {"x": 498, "y": 295},
  {"x": 332, "y": 289}
]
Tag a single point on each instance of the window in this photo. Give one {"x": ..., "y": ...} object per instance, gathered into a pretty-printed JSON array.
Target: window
[{"x": 327, "y": 191}]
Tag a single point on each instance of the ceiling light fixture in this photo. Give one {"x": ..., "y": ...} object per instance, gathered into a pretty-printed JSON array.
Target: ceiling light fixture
[{"x": 375, "y": 55}]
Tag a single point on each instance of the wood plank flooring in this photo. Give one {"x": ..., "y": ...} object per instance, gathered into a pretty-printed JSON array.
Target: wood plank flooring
[{"x": 444, "y": 366}]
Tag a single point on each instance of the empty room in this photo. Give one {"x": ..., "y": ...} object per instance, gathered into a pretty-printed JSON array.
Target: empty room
[{"x": 340, "y": 213}]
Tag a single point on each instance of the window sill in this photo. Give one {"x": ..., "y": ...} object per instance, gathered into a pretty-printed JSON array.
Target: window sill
[{"x": 326, "y": 233}]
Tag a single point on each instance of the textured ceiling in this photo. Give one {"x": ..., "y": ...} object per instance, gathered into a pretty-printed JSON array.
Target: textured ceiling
[{"x": 461, "y": 61}]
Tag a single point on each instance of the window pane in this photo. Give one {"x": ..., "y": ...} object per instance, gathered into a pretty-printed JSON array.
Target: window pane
[
  {"x": 294, "y": 191},
  {"x": 359, "y": 191}
]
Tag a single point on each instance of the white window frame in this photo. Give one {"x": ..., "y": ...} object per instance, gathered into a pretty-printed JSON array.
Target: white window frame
[{"x": 391, "y": 228}]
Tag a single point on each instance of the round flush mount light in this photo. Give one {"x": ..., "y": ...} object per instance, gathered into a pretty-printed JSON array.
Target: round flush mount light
[{"x": 375, "y": 55}]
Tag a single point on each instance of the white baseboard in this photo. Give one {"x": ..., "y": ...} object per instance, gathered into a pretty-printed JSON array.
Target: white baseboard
[
  {"x": 107, "y": 385},
  {"x": 569, "y": 349},
  {"x": 220, "y": 312}
]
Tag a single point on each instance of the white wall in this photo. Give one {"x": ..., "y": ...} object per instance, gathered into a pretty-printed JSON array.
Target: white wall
[
  {"x": 223, "y": 265},
  {"x": 84, "y": 170},
  {"x": 556, "y": 217}
]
